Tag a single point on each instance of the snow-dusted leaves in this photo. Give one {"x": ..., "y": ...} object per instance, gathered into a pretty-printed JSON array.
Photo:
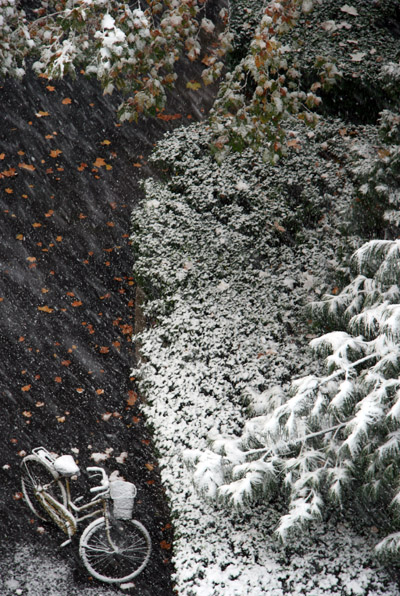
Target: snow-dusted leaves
[{"x": 332, "y": 431}]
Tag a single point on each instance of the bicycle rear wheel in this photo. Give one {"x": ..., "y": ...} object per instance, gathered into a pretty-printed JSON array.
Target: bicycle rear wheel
[
  {"x": 119, "y": 557},
  {"x": 38, "y": 476}
]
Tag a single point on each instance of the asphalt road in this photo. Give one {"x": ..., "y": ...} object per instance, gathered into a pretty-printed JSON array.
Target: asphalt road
[{"x": 69, "y": 178}]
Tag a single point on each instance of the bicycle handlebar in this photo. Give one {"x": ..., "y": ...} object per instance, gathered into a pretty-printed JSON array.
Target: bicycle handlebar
[{"x": 104, "y": 483}]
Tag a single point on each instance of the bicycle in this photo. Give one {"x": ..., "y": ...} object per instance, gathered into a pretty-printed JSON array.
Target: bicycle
[{"x": 114, "y": 547}]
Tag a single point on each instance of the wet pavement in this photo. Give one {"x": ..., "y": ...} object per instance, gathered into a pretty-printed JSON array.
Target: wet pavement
[{"x": 69, "y": 179}]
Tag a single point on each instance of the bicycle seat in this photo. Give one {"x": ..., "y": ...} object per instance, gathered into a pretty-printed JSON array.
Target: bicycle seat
[{"x": 65, "y": 465}]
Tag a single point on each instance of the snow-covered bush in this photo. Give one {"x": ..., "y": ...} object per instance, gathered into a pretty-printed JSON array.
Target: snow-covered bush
[
  {"x": 334, "y": 435},
  {"x": 377, "y": 173},
  {"x": 228, "y": 255}
]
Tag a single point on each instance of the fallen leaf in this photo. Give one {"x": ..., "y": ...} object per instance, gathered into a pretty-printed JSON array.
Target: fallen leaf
[
  {"x": 39, "y": 404},
  {"x": 349, "y": 10},
  {"x": 31, "y": 259},
  {"x": 278, "y": 227},
  {"x": 36, "y": 225},
  {"x": 357, "y": 56},
  {"x": 137, "y": 165},
  {"x": 9, "y": 191},
  {"x": 150, "y": 467},
  {"x": 194, "y": 85},
  {"x": 132, "y": 398},
  {"x": 41, "y": 114},
  {"x": 165, "y": 545},
  {"x": 45, "y": 309},
  {"x": 105, "y": 142},
  {"x": 76, "y": 303},
  {"x": 82, "y": 166},
  {"x": 66, "y": 101},
  {"x": 27, "y": 166},
  {"x": 27, "y": 414},
  {"x": 104, "y": 350},
  {"x": 2, "y": 155},
  {"x": 58, "y": 379},
  {"x": 26, "y": 388},
  {"x": 55, "y": 152},
  {"x": 99, "y": 162},
  {"x": 17, "y": 496},
  {"x": 79, "y": 390},
  {"x": 60, "y": 418},
  {"x": 99, "y": 391},
  {"x": 50, "y": 88}
]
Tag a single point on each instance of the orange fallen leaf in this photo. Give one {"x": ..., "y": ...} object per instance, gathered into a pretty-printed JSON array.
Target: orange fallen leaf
[
  {"x": 82, "y": 216},
  {"x": 105, "y": 142},
  {"x": 2, "y": 155},
  {"x": 99, "y": 391},
  {"x": 165, "y": 545},
  {"x": 50, "y": 88},
  {"x": 41, "y": 114},
  {"x": 49, "y": 213},
  {"x": 9, "y": 191},
  {"x": 137, "y": 165},
  {"x": 66, "y": 101},
  {"x": 79, "y": 390},
  {"x": 110, "y": 224},
  {"x": 82, "y": 166},
  {"x": 132, "y": 398},
  {"x": 55, "y": 152},
  {"x": 99, "y": 162},
  {"x": 65, "y": 362},
  {"x": 39, "y": 404},
  {"x": 36, "y": 225},
  {"x": 18, "y": 496},
  {"x": 22, "y": 338},
  {"x": 49, "y": 137},
  {"x": 45, "y": 309},
  {"x": 76, "y": 303},
  {"x": 104, "y": 350},
  {"x": 59, "y": 238},
  {"x": 60, "y": 418},
  {"x": 27, "y": 166},
  {"x": 150, "y": 467},
  {"x": 27, "y": 414},
  {"x": 58, "y": 379},
  {"x": 26, "y": 388},
  {"x": 31, "y": 259}
]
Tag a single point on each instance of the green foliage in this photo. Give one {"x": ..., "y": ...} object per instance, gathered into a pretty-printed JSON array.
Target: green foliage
[{"x": 336, "y": 434}]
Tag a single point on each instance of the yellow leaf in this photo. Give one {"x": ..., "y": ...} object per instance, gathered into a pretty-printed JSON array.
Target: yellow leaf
[
  {"x": 193, "y": 85},
  {"x": 41, "y": 114}
]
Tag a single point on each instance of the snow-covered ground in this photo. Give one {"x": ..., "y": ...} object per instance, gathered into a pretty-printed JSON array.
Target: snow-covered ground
[{"x": 229, "y": 256}]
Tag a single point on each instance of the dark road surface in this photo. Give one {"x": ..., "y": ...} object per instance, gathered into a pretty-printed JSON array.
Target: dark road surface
[{"x": 69, "y": 177}]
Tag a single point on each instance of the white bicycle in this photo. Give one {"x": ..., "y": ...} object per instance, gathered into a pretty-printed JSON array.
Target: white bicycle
[{"x": 114, "y": 547}]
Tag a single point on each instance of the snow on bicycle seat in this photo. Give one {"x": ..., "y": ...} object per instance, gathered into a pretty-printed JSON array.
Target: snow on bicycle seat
[{"x": 66, "y": 466}]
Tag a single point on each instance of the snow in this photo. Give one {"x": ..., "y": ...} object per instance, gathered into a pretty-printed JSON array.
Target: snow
[{"x": 230, "y": 326}]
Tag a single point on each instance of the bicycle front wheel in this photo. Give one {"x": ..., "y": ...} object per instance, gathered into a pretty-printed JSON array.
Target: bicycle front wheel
[
  {"x": 38, "y": 477},
  {"x": 116, "y": 556}
]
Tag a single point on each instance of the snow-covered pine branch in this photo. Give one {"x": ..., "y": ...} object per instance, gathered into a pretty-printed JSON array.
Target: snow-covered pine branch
[{"x": 336, "y": 431}]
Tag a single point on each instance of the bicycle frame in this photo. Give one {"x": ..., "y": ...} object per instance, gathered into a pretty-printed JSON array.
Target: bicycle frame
[
  {"x": 114, "y": 547},
  {"x": 67, "y": 517}
]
